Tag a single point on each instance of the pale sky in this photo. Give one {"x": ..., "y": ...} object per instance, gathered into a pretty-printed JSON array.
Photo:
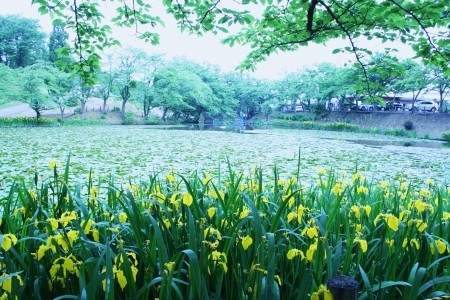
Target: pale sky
[{"x": 209, "y": 48}]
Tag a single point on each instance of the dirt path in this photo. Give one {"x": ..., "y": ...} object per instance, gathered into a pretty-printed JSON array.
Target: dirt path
[{"x": 21, "y": 110}]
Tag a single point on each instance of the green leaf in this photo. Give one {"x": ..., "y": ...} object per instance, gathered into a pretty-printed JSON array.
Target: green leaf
[
  {"x": 337, "y": 50},
  {"x": 43, "y": 10}
]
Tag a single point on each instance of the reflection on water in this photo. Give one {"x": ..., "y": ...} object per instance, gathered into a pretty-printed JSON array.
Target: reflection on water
[
  {"x": 248, "y": 128},
  {"x": 237, "y": 128}
]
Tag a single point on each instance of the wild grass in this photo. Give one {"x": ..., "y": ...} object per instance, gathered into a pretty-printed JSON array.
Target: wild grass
[
  {"x": 26, "y": 121},
  {"x": 336, "y": 126},
  {"x": 228, "y": 237},
  {"x": 446, "y": 136},
  {"x": 341, "y": 126}
]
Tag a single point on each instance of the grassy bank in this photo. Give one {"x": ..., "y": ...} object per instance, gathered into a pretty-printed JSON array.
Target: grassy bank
[
  {"x": 227, "y": 237},
  {"x": 46, "y": 122},
  {"x": 341, "y": 126}
]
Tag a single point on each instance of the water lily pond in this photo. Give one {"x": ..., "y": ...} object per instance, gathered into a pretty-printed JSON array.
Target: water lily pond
[{"x": 133, "y": 152}]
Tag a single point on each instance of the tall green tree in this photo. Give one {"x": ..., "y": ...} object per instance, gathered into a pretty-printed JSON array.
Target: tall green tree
[
  {"x": 9, "y": 83},
  {"x": 144, "y": 90},
  {"x": 440, "y": 83},
  {"x": 381, "y": 76},
  {"x": 125, "y": 73},
  {"x": 225, "y": 104},
  {"x": 33, "y": 88},
  {"x": 106, "y": 81},
  {"x": 22, "y": 43},
  {"x": 183, "y": 94},
  {"x": 415, "y": 80},
  {"x": 250, "y": 93},
  {"x": 57, "y": 40},
  {"x": 61, "y": 88},
  {"x": 83, "y": 92}
]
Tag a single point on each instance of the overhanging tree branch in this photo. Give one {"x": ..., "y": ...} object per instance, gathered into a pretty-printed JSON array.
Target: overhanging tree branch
[{"x": 352, "y": 43}]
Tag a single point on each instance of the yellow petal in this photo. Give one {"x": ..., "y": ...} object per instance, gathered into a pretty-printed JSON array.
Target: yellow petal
[
  {"x": 187, "y": 199},
  {"x": 310, "y": 253},
  {"x": 367, "y": 209},
  {"x": 312, "y": 232},
  {"x": 6, "y": 243},
  {"x": 363, "y": 245},
  {"x": 291, "y": 254},
  {"x": 68, "y": 265},
  {"x": 327, "y": 295},
  {"x": 315, "y": 296},
  {"x": 52, "y": 164},
  {"x": 393, "y": 222},
  {"x": 300, "y": 210},
  {"x": 441, "y": 246},
  {"x": 421, "y": 225},
  {"x": 6, "y": 285},
  {"x": 246, "y": 242},
  {"x": 211, "y": 212},
  {"x": 122, "y": 217},
  {"x": 121, "y": 279}
]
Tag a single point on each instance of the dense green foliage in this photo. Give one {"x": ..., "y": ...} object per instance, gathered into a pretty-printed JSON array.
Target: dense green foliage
[
  {"x": 21, "y": 41},
  {"x": 25, "y": 121},
  {"x": 177, "y": 237},
  {"x": 57, "y": 40},
  {"x": 283, "y": 25},
  {"x": 446, "y": 136},
  {"x": 195, "y": 91}
]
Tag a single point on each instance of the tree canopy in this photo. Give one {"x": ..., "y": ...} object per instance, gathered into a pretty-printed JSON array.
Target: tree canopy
[
  {"x": 21, "y": 41},
  {"x": 268, "y": 26}
]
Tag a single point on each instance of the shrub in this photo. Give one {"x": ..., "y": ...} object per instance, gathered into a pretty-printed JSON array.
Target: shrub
[
  {"x": 77, "y": 110},
  {"x": 115, "y": 108},
  {"x": 318, "y": 108},
  {"x": 446, "y": 136},
  {"x": 408, "y": 125},
  {"x": 340, "y": 126},
  {"x": 129, "y": 118},
  {"x": 78, "y": 122},
  {"x": 153, "y": 121},
  {"x": 27, "y": 121},
  {"x": 103, "y": 116},
  {"x": 396, "y": 132}
]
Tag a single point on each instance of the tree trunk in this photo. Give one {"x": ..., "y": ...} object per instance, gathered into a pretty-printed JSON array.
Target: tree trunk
[
  {"x": 62, "y": 112},
  {"x": 413, "y": 102},
  {"x": 123, "y": 108},
  {"x": 104, "y": 104},
  {"x": 146, "y": 106},
  {"x": 38, "y": 114},
  {"x": 441, "y": 101},
  {"x": 83, "y": 105},
  {"x": 164, "y": 115}
]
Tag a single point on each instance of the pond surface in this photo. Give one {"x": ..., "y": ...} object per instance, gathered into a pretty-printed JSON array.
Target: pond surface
[{"x": 136, "y": 151}]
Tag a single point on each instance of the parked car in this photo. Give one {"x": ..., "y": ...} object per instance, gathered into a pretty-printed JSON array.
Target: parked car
[
  {"x": 393, "y": 106},
  {"x": 425, "y": 106},
  {"x": 365, "y": 107}
]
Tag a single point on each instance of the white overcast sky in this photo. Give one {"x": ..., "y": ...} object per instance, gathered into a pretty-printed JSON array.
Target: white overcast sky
[{"x": 209, "y": 48}]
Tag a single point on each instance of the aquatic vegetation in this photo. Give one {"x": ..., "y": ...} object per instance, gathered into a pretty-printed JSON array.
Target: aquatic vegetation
[
  {"x": 230, "y": 235},
  {"x": 125, "y": 152}
]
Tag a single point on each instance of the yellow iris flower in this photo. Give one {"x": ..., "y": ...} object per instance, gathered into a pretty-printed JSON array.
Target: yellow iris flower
[
  {"x": 187, "y": 199},
  {"x": 246, "y": 242},
  {"x": 8, "y": 240}
]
